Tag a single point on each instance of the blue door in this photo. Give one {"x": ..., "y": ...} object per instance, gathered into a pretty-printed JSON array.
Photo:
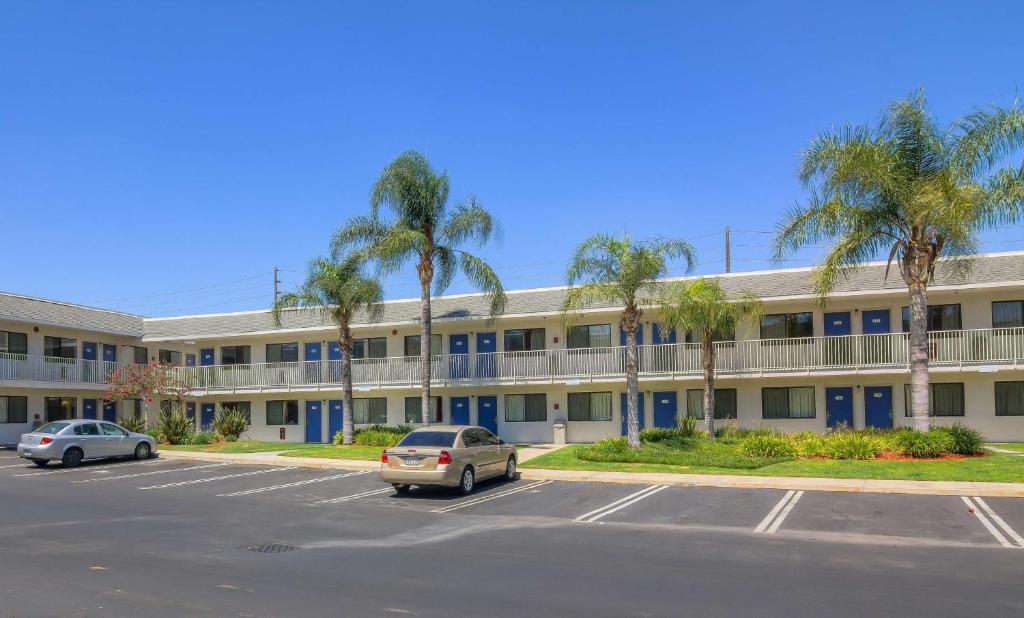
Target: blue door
[
  {"x": 837, "y": 324},
  {"x": 662, "y": 335},
  {"x": 312, "y": 355},
  {"x": 487, "y": 412},
  {"x": 839, "y": 406},
  {"x": 486, "y": 344},
  {"x": 190, "y": 360},
  {"x": 110, "y": 411},
  {"x": 190, "y": 410},
  {"x": 335, "y": 409},
  {"x": 109, "y": 353},
  {"x": 639, "y": 336},
  {"x": 875, "y": 322},
  {"x": 89, "y": 409},
  {"x": 88, "y": 350},
  {"x": 89, "y": 373},
  {"x": 665, "y": 409},
  {"x": 206, "y": 416},
  {"x": 206, "y": 357},
  {"x": 460, "y": 410},
  {"x": 334, "y": 364},
  {"x": 314, "y": 431},
  {"x": 458, "y": 356},
  {"x": 639, "y": 411},
  {"x": 878, "y": 406}
]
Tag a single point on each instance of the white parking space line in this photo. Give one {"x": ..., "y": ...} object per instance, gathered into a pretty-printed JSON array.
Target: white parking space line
[
  {"x": 217, "y": 478},
  {"x": 640, "y": 494},
  {"x": 650, "y": 491},
  {"x": 778, "y": 514},
  {"x": 489, "y": 497},
  {"x": 259, "y": 490},
  {"x": 96, "y": 468},
  {"x": 21, "y": 465},
  {"x": 130, "y": 476},
  {"x": 363, "y": 494},
  {"x": 978, "y": 512},
  {"x": 1010, "y": 532}
]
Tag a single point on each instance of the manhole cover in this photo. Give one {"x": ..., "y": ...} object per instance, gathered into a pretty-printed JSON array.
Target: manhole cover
[{"x": 271, "y": 548}]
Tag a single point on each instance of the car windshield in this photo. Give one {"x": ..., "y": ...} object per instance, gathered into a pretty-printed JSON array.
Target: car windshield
[
  {"x": 429, "y": 438},
  {"x": 52, "y": 428}
]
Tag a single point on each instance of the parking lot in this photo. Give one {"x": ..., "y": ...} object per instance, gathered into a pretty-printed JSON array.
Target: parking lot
[{"x": 182, "y": 519}]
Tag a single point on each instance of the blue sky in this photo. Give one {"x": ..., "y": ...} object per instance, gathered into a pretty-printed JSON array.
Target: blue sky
[{"x": 162, "y": 157}]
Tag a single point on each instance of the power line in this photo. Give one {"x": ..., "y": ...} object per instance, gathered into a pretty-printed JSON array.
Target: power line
[{"x": 181, "y": 291}]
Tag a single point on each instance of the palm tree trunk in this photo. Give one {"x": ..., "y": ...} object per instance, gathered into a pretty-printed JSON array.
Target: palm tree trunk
[
  {"x": 919, "y": 394},
  {"x": 632, "y": 390},
  {"x": 707, "y": 353},
  {"x": 347, "y": 424},
  {"x": 425, "y": 348}
]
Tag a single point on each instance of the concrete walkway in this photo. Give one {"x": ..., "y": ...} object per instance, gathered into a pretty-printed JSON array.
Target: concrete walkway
[
  {"x": 1004, "y": 451},
  {"x": 951, "y": 488}
]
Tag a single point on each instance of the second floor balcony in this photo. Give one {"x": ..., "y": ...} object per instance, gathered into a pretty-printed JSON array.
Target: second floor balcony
[
  {"x": 850, "y": 353},
  {"x": 29, "y": 368}
]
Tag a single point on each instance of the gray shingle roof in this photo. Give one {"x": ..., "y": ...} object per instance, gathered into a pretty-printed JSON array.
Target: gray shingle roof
[
  {"x": 54, "y": 313},
  {"x": 993, "y": 268}
]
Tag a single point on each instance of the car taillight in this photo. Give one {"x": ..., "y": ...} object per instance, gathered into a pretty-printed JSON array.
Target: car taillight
[
  {"x": 383, "y": 456},
  {"x": 46, "y": 440},
  {"x": 444, "y": 458}
]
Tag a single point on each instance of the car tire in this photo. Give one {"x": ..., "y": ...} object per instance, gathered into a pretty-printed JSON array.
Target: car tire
[
  {"x": 510, "y": 468},
  {"x": 72, "y": 457},
  {"x": 467, "y": 481},
  {"x": 41, "y": 462},
  {"x": 402, "y": 488},
  {"x": 143, "y": 451}
]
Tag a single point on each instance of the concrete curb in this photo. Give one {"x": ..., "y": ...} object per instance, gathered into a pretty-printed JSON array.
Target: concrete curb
[{"x": 932, "y": 488}]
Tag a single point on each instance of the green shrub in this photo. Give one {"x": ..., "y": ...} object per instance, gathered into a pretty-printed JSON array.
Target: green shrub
[
  {"x": 688, "y": 427},
  {"x": 230, "y": 424},
  {"x": 175, "y": 426},
  {"x": 966, "y": 441},
  {"x": 932, "y": 443},
  {"x": 155, "y": 433},
  {"x": 135, "y": 424},
  {"x": 810, "y": 444},
  {"x": 676, "y": 452},
  {"x": 851, "y": 445},
  {"x": 727, "y": 433},
  {"x": 200, "y": 438},
  {"x": 378, "y": 435},
  {"x": 660, "y": 434},
  {"x": 769, "y": 445}
]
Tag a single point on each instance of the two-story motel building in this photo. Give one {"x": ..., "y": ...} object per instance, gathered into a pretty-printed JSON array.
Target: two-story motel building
[{"x": 803, "y": 366}]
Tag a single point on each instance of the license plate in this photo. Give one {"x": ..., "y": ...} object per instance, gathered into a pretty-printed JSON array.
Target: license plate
[{"x": 413, "y": 461}]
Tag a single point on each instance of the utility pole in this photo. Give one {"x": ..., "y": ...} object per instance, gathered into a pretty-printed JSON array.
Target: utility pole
[
  {"x": 728, "y": 254},
  {"x": 277, "y": 282}
]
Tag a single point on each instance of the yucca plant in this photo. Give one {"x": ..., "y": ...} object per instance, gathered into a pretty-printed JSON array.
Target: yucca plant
[
  {"x": 135, "y": 424},
  {"x": 230, "y": 424},
  {"x": 175, "y": 426}
]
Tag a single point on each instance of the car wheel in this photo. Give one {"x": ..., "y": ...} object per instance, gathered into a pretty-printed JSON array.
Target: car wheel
[
  {"x": 510, "y": 469},
  {"x": 72, "y": 458},
  {"x": 402, "y": 488},
  {"x": 41, "y": 462},
  {"x": 143, "y": 451},
  {"x": 467, "y": 482}
]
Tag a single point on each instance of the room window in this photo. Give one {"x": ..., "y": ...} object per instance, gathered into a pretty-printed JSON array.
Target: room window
[
  {"x": 166, "y": 406},
  {"x": 13, "y": 343},
  {"x": 235, "y": 355},
  {"x": 59, "y": 408},
  {"x": 370, "y": 411},
  {"x": 245, "y": 407},
  {"x": 283, "y": 412},
  {"x": 725, "y": 334},
  {"x": 170, "y": 357},
  {"x": 1009, "y": 398},
  {"x": 940, "y": 317},
  {"x": 283, "y": 352},
  {"x": 1008, "y": 314},
  {"x": 13, "y": 409},
  {"x": 524, "y": 339},
  {"x": 947, "y": 399},
  {"x": 374, "y": 347},
  {"x": 787, "y": 402},
  {"x": 137, "y": 354},
  {"x": 590, "y": 336},
  {"x": 725, "y": 403},
  {"x": 414, "y": 410},
  {"x": 590, "y": 406},
  {"x": 60, "y": 347},
  {"x": 134, "y": 406},
  {"x": 531, "y": 408},
  {"x": 787, "y": 325},
  {"x": 412, "y": 345}
]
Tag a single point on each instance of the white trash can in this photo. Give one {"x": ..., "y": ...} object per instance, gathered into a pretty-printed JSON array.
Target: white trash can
[{"x": 559, "y": 433}]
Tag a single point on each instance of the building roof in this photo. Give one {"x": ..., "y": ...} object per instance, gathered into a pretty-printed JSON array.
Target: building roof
[
  {"x": 791, "y": 283},
  {"x": 18, "y": 308}
]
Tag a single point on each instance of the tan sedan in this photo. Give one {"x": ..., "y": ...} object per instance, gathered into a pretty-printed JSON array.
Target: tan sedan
[{"x": 449, "y": 456}]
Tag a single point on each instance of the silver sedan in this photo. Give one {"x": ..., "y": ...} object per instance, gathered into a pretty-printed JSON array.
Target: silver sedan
[{"x": 72, "y": 441}]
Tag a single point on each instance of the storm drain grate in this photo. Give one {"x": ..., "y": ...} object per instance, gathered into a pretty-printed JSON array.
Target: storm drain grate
[{"x": 271, "y": 548}]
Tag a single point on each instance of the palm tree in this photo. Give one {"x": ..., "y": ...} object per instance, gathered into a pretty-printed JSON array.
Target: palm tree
[
  {"x": 912, "y": 190},
  {"x": 604, "y": 268},
  {"x": 425, "y": 228},
  {"x": 337, "y": 290},
  {"x": 702, "y": 307}
]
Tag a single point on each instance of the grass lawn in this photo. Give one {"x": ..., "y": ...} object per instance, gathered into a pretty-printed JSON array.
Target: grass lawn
[
  {"x": 290, "y": 449},
  {"x": 995, "y": 467},
  {"x": 1010, "y": 446}
]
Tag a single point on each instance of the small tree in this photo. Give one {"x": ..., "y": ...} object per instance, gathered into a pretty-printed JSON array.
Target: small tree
[{"x": 149, "y": 382}]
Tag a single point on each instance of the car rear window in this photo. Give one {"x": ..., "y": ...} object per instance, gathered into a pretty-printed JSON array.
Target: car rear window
[
  {"x": 52, "y": 427},
  {"x": 429, "y": 438}
]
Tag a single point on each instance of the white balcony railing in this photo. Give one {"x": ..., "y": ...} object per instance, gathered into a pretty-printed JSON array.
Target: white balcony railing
[
  {"x": 758, "y": 356},
  {"x": 23, "y": 367}
]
